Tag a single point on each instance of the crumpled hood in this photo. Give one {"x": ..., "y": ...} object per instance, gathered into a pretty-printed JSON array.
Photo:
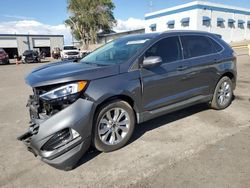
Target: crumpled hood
[{"x": 61, "y": 72}]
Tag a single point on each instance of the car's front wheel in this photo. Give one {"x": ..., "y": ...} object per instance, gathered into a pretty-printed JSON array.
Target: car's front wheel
[
  {"x": 113, "y": 126},
  {"x": 223, "y": 94}
]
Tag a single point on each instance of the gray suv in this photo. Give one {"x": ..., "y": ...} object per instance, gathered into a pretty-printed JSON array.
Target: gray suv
[{"x": 99, "y": 100}]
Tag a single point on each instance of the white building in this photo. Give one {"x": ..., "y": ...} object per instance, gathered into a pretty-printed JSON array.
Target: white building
[
  {"x": 16, "y": 44},
  {"x": 232, "y": 23}
]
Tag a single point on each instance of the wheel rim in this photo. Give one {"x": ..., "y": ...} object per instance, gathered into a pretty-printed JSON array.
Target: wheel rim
[
  {"x": 114, "y": 126},
  {"x": 224, "y": 93}
]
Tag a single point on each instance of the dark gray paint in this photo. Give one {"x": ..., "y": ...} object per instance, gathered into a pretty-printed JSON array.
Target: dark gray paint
[{"x": 154, "y": 90}]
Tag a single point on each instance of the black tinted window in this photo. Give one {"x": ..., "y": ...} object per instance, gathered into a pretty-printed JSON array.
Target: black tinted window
[
  {"x": 168, "y": 49},
  {"x": 196, "y": 46}
]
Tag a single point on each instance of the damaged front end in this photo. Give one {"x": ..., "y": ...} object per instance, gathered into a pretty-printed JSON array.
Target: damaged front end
[{"x": 60, "y": 125}]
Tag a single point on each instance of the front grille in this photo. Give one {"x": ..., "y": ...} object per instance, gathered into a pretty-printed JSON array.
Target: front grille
[
  {"x": 72, "y": 53},
  {"x": 59, "y": 139}
]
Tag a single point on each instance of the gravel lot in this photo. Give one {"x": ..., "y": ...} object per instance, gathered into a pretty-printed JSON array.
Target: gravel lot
[{"x": 195, "y": 147}]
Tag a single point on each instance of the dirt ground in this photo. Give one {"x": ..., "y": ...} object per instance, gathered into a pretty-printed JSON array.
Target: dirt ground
[{"x": 194, "y": 147}]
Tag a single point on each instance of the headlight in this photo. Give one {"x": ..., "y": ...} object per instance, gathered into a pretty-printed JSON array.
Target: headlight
[{"x": 64, "y": 91}]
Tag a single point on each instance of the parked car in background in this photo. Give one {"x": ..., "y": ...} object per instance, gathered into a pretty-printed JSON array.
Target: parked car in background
[
  {"x": 126, "y": 82},
  {"x": 4, "y": 57},
  {"x": 31, "y": 56},
  {"x": 70, "y": 53}
]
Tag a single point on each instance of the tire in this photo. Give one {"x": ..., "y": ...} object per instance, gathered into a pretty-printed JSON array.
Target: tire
[
  {"x": 109, "y": 136},
  {"x": 223, "y": 94}
]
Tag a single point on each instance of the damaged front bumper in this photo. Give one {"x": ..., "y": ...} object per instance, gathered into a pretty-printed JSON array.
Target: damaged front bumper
[{"x": 52, "y": 138}]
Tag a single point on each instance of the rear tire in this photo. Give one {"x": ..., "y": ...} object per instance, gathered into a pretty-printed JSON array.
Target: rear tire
[
  {"x": 223, "y": 94},
  {"x": 113, "y": 126}
]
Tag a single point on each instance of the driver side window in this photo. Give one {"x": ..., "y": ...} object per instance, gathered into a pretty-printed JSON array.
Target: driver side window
[{"x": 169, "y": 49}]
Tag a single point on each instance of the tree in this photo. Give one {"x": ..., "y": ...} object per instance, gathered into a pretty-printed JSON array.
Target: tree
[{"x": 87, "y": 17}]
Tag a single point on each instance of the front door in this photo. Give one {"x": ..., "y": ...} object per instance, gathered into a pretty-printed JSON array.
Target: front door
[{"x": 162, "y": 85}]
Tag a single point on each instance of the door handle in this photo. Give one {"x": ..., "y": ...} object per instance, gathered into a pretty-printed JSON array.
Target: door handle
[{"x": 181, "y": 68}]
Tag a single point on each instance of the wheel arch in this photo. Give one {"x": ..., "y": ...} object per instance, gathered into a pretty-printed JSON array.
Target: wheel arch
[
  {"x": 231, "y": 76},
  {"x": 122, "y": 97}
]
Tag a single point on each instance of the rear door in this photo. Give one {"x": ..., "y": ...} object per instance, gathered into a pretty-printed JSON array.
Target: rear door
[
  {"x": 162, "y": 85},
  {"x": 200, "y": 55}
]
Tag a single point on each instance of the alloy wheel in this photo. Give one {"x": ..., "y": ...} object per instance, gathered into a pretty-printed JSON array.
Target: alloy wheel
[
  {"x": 224, "y": 93},
  {"x": 114, "y": 126}
]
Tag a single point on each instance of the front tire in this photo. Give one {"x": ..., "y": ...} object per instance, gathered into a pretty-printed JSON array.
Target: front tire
[
  {"x": 113, "y": 126},
  {"x": 223, "y": 94}
]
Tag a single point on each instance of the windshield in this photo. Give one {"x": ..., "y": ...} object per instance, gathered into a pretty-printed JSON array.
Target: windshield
[
  {"x": 117, "y": 51},
  {"x": 27, "y": 52},
  {"x": 69, "y": 48}
]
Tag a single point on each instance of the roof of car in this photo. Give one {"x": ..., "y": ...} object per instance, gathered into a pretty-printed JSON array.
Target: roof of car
[
  {"x": 145, "y": 35},
  {"x": 155, "y": 34},
  {"x": 184, "y": 31},
  {"x": 188, "y": 32}
]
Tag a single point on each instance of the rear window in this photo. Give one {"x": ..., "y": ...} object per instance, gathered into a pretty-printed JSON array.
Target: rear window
[{"x": 195, "y": 46}]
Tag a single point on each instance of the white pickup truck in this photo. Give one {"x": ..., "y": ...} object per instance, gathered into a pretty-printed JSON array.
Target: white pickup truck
[{"x": 70, "y": 52}]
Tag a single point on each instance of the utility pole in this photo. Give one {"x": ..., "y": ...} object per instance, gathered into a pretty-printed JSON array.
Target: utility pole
[
  {"x": 28, "y": 40},
  {"x": 150, "y": 5}
]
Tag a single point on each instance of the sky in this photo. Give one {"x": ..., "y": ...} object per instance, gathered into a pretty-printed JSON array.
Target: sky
[{"x": 47, "y": 16}]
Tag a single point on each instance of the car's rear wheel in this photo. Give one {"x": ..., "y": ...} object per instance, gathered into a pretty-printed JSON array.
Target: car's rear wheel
[
  {"x": 223, "y": 94},
  {"x": 114, "y": 126}
]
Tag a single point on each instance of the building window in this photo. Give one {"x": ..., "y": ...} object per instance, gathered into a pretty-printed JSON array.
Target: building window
[
  {"x": 153, "y": 27},
  {"x": 231, "y": 23},
  {"x": 220, "y": 22},
  {"x": 185, "y": 22},
  {"x": 206, "y": 21},
  {"x": 170, "y": 24},
  {"x": 248, "y": 24},
  {"x": 241, "y": 24}
]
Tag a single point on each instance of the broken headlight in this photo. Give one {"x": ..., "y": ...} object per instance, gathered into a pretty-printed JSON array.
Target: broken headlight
[{"x": 64, "y": 91}]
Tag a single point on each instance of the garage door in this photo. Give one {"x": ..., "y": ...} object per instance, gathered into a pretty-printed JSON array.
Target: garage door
[
  {"x": 41, "y": 42},
  {"x": 8, "y": 43}
]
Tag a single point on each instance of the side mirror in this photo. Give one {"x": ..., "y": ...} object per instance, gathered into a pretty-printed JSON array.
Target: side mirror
[{"x": 152, "y": 61}]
